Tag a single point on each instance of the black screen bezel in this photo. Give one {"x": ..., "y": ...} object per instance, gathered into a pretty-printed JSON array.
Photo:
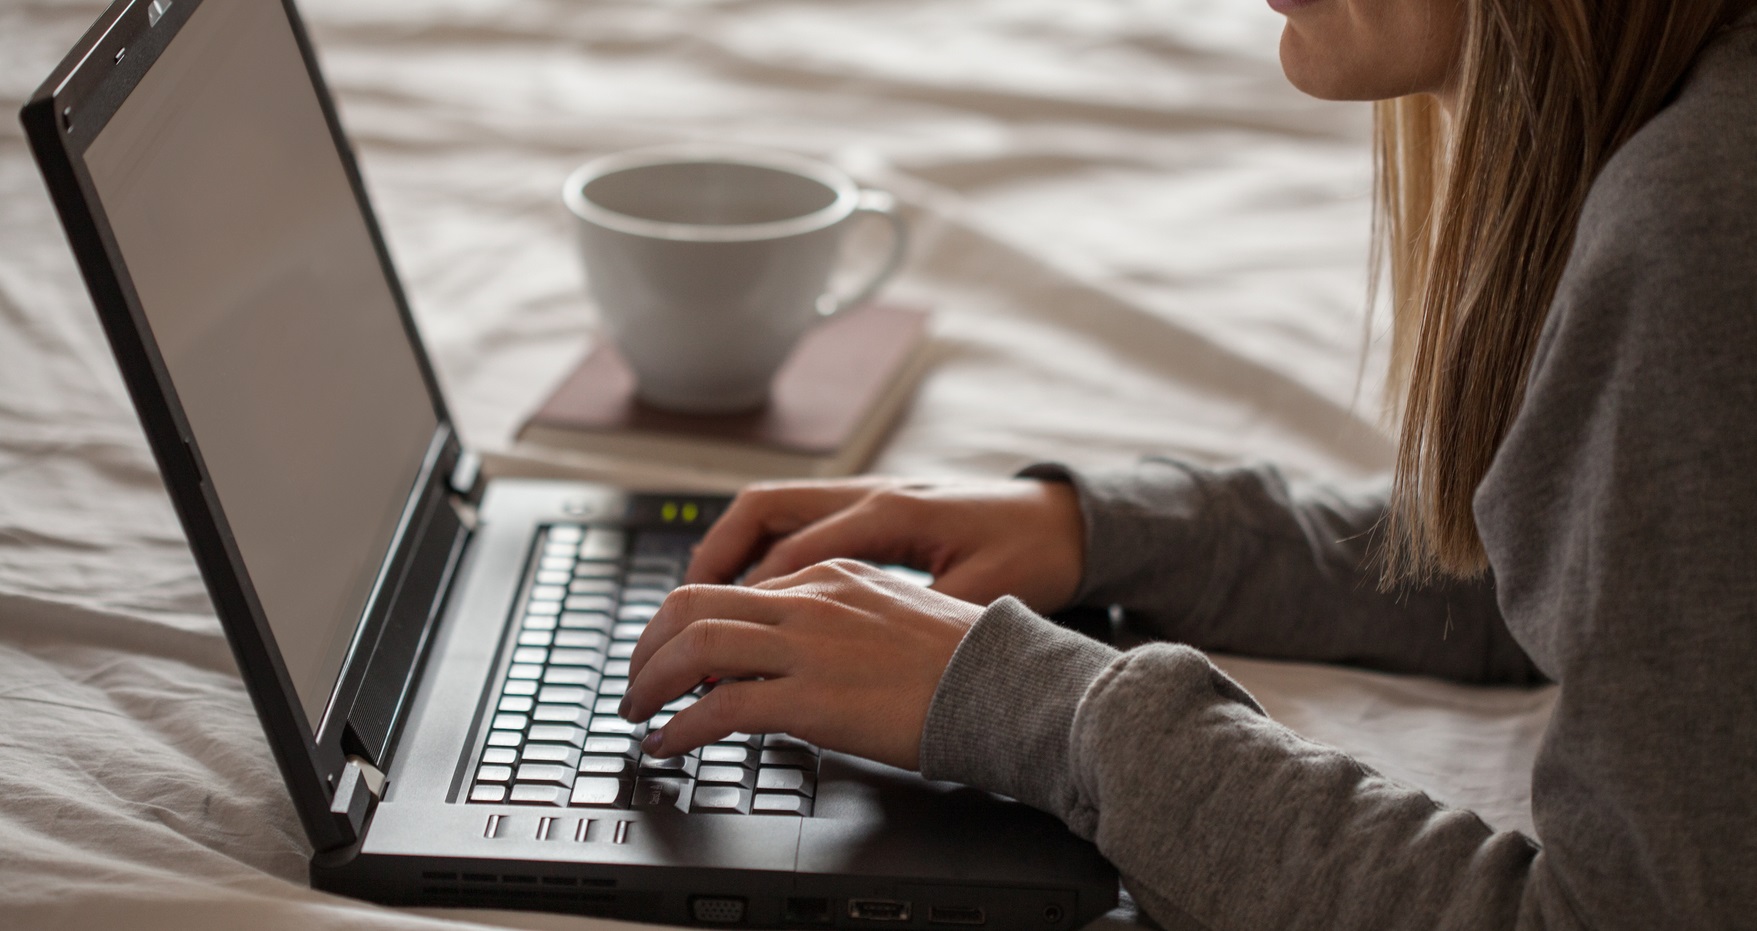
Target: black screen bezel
[{"x": 61, "y": 120}]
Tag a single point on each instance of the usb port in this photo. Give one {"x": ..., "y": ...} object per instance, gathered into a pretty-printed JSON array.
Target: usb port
[
  {"x": 878, "y": 910},
  {"x": 955, "y": 915}
]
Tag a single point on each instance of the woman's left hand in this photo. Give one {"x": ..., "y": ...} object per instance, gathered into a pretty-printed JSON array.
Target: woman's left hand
[{"x": 840, "y": 654}]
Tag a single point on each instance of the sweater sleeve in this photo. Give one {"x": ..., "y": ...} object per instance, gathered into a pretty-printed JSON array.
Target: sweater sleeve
[
  {"x": 1216, "y": 816},
  {"x": 1237, "y": 561}
]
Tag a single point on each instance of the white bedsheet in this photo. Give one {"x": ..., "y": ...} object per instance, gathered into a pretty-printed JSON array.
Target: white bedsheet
[{"x": 1136, "y": 236}]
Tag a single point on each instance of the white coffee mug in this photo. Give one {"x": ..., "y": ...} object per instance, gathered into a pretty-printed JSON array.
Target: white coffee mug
[{"x": 708, "y": 262}]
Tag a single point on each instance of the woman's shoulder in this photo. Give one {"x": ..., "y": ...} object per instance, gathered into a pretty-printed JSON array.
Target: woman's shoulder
[
  {"x": 1664, "y": 263},
  {"x": 1683, "y": 189}
]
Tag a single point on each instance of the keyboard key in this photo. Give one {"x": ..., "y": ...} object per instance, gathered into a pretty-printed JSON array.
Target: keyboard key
[
  {"x": 572, "y": 675},
  {"x": 791, "y": 758},
  {"x": 661, "y": 792},
  {"x": 660, "y": 720},
  {"x": 629, "y": 632},
  {"x": 607, "y": 705},
  {"x": 563, "y": 695},
  {"x": 663, "y": 581},
  {"x": 681, "y": 702},
  {"x": 559, "y": 754},
  {"x": 783, "y": 779},
  {"x": 494, "y": 774},
  {"x": 611, "y": 745},
  {"x": 519, "y": 687},
  {"x": 669, "y": 766},
  {"x": 530, "y": 655},
  {"x": 539, "y": 622},
  {"x": 589, "y": 603},
  {"x": 601, "y": 792},
  {"x": 557, "y": 734},
  {"x": 538, "y": 795},
  {"x": 618, "y": 766},
  {"x": 500, "y": 756},
  {"x": 784, "y": 742},
  {"x": 524, "y": 671},
  {"x": 616, "y": 668},
  {"x": 784, "y": 804},
  {"x": 543, "y": 608},
  {"x": 612, "y": 725},
  {"x": 561, "y": 714},
  {"x": 602, "y": 543},
  {"x": 510, "y": 722},
  {"x": 560, "y": 548},
  {"x": 644, "y": 596},
  {"x": 505, "y": 738},
  {"x": 586, "y": 620},
  {"x": 736, "y": 756},
  {"x": 722, "y": 799},
  {"x": 592, "y": 586},
  {"x": 613, "y": 687},
  {"x": 589, "y": 658},
  {"x": 552, "y": 577},
  {"x": 622, "y": 649},
  {"x": 581, "y": 640},
  {"x": 656, "y": 562},
  {"x": 595, "y": 570},
  {"x": 637, "y": 613},
  {"x": 548, "y": 593},
  {"x": 488, "y": 793},
  {"x": 724, "y": 775},
  {"x": 569, "y": 533},
  {"x": 556, "y": 564},
  {"x": 742, "y": 740},
  {"x": 549, "y": 773},
  {"x": 517, "y": 704},
  {"x": 536, "y": 638}
]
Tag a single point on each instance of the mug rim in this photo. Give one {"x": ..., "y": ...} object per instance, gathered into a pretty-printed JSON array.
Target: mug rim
[{"x": 846, "y": 191}]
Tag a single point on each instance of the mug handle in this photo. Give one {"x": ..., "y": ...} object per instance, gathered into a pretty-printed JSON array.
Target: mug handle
[{"x": 883, "y": 204}]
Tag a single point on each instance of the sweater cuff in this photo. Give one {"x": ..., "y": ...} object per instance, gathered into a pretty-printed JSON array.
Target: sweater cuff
[
  {"x": 1002, "y": 718},
  {"x": 1145, "y": 532}
]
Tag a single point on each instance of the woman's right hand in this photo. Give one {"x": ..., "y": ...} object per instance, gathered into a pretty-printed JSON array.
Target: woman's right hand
[{"x": 979, "y": 540}]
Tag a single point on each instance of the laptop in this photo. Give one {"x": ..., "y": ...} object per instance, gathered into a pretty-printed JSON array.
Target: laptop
[{"x": 436, "y": 658}]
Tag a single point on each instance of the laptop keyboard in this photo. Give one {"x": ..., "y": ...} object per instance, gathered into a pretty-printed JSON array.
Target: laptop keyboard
[{"x": 554, "y": 738}]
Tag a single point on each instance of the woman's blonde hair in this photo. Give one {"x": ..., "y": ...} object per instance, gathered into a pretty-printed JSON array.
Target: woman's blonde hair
[{"x": 1475, "y": 218}]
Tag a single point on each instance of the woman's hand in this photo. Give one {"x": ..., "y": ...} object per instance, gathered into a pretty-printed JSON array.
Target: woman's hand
[
  {"x": 979, "y": 540},
  {"x": 840, "y": 654}
]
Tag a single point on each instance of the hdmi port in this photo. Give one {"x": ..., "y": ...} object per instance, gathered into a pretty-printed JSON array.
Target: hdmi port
[
  {"x": 878, "y": 910},
  {"x": 955, "y": 915}
]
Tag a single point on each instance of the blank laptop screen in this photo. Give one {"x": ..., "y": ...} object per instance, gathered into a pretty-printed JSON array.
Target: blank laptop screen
[{"x": 258, "y": 278}]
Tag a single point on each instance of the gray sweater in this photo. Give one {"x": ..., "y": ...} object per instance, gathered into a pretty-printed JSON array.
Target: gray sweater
[{"x": 1620, "y": 520}]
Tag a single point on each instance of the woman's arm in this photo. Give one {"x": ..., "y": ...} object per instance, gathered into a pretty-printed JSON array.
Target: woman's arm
[
  {"x": 1235, "y": 560},
  {"x": 1621, "y": 515}
]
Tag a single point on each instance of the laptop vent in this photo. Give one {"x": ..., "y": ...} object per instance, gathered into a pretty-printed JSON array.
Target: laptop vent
[{"x": 504, "y": 890}]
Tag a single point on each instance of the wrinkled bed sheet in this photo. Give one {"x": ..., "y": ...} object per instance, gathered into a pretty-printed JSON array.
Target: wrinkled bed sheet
[{"x": 1136, "y": 236}]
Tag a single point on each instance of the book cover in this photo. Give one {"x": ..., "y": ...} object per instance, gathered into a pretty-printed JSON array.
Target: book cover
[{"x": 832, "y": 403}]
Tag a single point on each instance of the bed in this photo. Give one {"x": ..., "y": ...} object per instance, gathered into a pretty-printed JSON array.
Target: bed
[{"x": 1135, "y": 237}]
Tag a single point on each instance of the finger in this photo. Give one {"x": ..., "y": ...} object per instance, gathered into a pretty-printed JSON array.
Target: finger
[
  {"x": 757, "y": 516},
  {"x": 868, "y": 530},
  {"x": 969, "y": 581},
  {"x": 691, "y": 603},
  {"x": 713, "y": 648},
  {"x": 764, "y": 707}
]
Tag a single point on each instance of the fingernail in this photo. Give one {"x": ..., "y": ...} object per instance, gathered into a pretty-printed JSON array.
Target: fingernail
[
  {"x": 622, "y": 709},
  {"x": 651, "y": 743}
]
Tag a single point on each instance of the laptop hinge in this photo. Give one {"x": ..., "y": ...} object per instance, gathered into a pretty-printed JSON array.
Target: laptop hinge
[
  {"x": 466, "y": 474},
  {"x": 358, "y": 789}
]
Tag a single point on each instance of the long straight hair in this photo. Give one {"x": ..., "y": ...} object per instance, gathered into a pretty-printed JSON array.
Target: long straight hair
[{"x": 1475, "y": 217}]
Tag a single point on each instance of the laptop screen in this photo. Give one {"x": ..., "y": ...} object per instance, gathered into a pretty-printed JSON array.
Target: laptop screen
[{"x": 259, "y": 280}]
